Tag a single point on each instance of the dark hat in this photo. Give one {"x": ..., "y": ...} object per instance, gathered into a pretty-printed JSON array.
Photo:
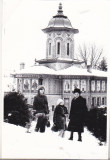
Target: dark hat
[
  {"x": 40, "y": 87},
  {"x": 77, "y": 90}
]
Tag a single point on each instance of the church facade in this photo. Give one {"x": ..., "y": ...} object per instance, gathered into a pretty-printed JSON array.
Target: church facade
[{"x": 59, "y": 72}]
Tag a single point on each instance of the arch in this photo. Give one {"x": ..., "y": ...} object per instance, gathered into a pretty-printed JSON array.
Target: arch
[
  {"x": 58, "y": 38},
  {"x": 69, "y": 40},
  {"x": 49, "y": 39},
  {"x": 58, "y": 44}
]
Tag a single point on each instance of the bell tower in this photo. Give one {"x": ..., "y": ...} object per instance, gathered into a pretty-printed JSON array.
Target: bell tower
[
  {"x": 60, "y": 41},
  {"x": 60, "y": 37}
]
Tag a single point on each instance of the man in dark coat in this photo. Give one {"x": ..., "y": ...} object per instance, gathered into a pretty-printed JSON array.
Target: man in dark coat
[
  {"x": 40, "y": 106},
  {"x": 77, "y": 114}
]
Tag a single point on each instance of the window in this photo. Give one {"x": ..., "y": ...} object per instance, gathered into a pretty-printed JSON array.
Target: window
[
  {"x": 66, "y": 86},
  {"x": 83, "y": 85},
  {"x": 34, "y": 84},
  {"x": 103, "y": 101},
  {"x": 68, "y": 49},
  {"x": 40, "y": 81},
  {"x": 98, "y": 86},
  {"x": 93, "y": 86},
  {"x": 93, "y": 101},
  {"x": 26, "y": 84},
  {"x": 75, "y": 84},
  {"x": 98, "y": 101},
  {"x": 103, "y": 86},
  {"x": 58, "y": 48},
  {"x": 49, "y": 48}
]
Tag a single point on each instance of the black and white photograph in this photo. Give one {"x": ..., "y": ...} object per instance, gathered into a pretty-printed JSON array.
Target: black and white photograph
[{"x": 55, "y": 76}]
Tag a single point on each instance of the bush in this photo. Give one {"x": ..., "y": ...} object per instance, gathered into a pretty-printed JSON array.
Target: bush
[
  {"x": 16, "y": 109},
  {"x": 97, "y": 122}
]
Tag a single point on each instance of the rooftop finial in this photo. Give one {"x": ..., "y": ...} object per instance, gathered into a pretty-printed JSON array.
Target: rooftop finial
[{"x": 60, "y": 11}]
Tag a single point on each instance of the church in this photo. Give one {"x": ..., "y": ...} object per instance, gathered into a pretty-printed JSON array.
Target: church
[{"x": 60, "y": 72}]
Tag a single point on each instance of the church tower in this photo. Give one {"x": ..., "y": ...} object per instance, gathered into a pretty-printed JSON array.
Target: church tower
[
  {"x": 60, "y": 37},
  {"x": 60, "y": 42}
]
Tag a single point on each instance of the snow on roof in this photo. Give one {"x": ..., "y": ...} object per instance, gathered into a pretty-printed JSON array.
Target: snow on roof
[
  {"x": 99, "y": 73},
  {"x": 37, "y": 69},
  {"x": 73, "y": 70},
  {"x": 67, "y": 59}
]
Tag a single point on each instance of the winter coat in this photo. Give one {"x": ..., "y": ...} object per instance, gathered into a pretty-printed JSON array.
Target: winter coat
[
  {"x": 41, "y": 123},
  {"x": 77, "y": 115},
  {"x": 65, "y": 110},
  {"x": 59, "y": 117},
  {"x": 40, "y": 104}
]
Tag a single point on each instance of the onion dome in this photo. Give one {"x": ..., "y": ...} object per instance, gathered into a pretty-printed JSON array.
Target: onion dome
[{"x": 60, "y": 22}]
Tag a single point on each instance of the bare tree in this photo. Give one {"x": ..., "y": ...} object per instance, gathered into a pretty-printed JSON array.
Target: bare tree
[{"x": 89, "y": 54}]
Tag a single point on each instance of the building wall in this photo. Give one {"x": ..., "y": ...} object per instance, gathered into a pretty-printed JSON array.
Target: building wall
[
  {"x": 63, "y": 37},
  {"x": 94, "y": 89}
]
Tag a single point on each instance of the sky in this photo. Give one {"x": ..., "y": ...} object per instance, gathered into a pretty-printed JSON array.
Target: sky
[{"x": 23, "y": 20}]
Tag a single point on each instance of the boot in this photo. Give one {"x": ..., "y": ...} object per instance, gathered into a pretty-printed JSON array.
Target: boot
[
  {"x": 79, "y": 137},
  {"x": 71, "y": 136}
]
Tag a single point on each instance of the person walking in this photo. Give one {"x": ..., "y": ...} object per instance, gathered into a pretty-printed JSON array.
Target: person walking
[
  {"x": 59, "y": 117},
  {"x": 40, "y": 105},
  {"x": 77, "y": 114}
]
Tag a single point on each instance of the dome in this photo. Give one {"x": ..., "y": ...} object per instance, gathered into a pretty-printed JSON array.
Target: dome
[{"x": 60, "y": 22}]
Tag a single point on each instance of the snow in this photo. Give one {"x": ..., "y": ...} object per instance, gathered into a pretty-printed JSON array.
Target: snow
[
  {"x": 19, "y": 144},
  {"x": 73, "y": 70},
  {"x": 37, "y": 69}
]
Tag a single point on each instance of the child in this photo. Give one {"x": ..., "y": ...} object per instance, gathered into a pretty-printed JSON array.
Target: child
[{"x": 59, "y": 117}]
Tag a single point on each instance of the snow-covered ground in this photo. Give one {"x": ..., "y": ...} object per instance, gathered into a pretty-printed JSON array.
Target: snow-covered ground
[{"x": 19, "y": 144}]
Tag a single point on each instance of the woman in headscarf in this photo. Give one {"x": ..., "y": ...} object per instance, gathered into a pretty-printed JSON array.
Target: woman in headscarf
[{"x": 59, "y": 117}]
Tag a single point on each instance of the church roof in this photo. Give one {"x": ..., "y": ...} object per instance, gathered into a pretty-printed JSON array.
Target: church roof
[
  {"x": 73, "y": 70},
  {"x": 58, "y": 59},
  {"x": 70, "y": 71},
  {"x": 60, "y": 22},
  {"x": 37, "y": 69}
]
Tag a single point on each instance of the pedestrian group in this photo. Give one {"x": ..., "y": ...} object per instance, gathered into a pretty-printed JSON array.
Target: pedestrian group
[{"x": 76, "y": 116}]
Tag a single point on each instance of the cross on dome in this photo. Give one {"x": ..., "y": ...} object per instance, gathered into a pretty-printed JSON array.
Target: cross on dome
[{"x": 60, "y": 11}]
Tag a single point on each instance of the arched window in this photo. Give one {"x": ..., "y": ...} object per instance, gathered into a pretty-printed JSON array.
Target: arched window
[
  {"x": 103, "y": 86},
  {"x": 83, "y": 85},
  {"x": 68, "y": 48},
  {"x": 49, "y": 48},
  {"x": 58, "y": 47},
  {"x": 98, "y": 86},
  {"x": 93, "y": 86},
  {"x": 66, "y": 86}
]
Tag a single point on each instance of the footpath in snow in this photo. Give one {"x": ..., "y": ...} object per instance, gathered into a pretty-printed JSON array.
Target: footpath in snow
[{"x": 16, "y": 143}]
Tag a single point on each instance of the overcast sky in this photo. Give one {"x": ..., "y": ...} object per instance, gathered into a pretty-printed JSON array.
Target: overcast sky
[{"x": 23, "y": 39}]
